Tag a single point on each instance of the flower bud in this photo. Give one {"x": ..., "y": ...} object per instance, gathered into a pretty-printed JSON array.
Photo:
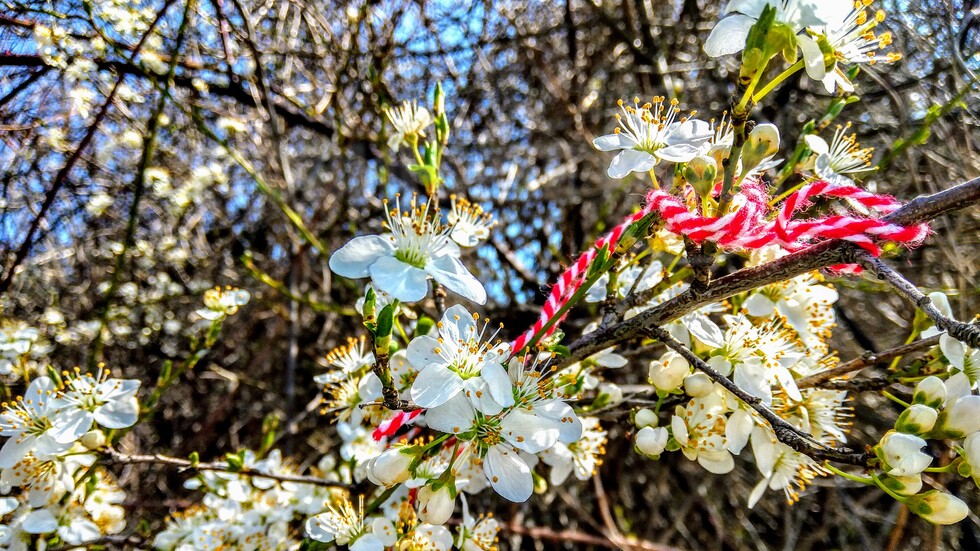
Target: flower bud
[
  {"x": 438, "y": 108},
  {"x": 905, "y": 485},
  {"x": 918, "y": 419},
  {"x": 930, "y": 391},
  {"x": 960, "y": 419},
  {"x": 762, "y": 142},
  {"x": 698, "y": 385},
  {"x": 669, "y": 371},
  {"x": 436, "y": 506},
  {"x": 702, "y": 173},
  {"x": 938, "y": 507},
  {"x": 646, "y": 418},
  {"x": 93, "y": 439},
  {"x": 651, "y": 441},
  {"x": 902, "y": 454},
  {"x": 391, "y": 467}
]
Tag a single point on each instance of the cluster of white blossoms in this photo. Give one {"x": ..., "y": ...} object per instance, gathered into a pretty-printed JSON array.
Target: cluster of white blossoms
[
  {"x": 940, "y": 410},
  {"x": 46, "y": 466},
  {"x": 835, "y": 162},
  {"x": 244, "y": 512},
  {"x": 432, "y": 413},
  {"x": 768, "y": 339},
  {"x": 944, "y": 407},
  {"x": 494, "y": 416}
]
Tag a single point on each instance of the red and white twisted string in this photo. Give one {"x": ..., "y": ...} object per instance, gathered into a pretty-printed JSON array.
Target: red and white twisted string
[
  {"x": 573, "y": 278},
  {"x": 748, "y": 227}
]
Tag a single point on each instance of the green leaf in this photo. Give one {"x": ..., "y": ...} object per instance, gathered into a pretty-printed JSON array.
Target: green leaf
[
  {"x": 235, "y": 460},
  {"x": 386, "y": 320}
]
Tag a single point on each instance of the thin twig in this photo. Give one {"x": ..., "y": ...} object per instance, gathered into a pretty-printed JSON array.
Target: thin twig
[
  {"x": 115, "y": 457},
  {"x": 867, "y": 360},
  {"x": 62, "y": 176}
]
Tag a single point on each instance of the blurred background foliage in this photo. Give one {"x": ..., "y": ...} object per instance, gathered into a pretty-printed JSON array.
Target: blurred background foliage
[{"x": 114, "y": 220}]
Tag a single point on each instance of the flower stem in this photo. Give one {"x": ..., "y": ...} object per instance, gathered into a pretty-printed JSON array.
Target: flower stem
[
  {"x": 790, "y": 71},
  {"x": 898, "y": 497},
  {"x": 786, "y": 194},
  {"x": 653, "y": 178},
  {"x": 895, "y": 399},
  {"x": 852, "y": 477}
]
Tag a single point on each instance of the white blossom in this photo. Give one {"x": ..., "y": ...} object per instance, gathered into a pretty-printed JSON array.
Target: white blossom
[
  {"x": 470, "y": 224},
  {"x": 409, "y": 122},
  {"x": 652, "y": 441},
  {"x": 650, "y": 133},
  {"x": 902, "y": 454},
  {"x": 220, "y": 303},
  {"x": 348, "y": 359},
  {"x": 399, "y": 263},
  {"x": 109, "y": 402},
  {"x": 841, "y": 158},
  {"x": 699, "y": 429},
  {"x": 848, "y": 31},
  {"x": 459, "y": 357},
  {"x": 32, "y": 424},
  {"x": 581, "y": 457}
]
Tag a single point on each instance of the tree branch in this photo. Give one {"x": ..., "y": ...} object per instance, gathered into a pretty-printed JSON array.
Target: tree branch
[{"x": 919, "y": 210}]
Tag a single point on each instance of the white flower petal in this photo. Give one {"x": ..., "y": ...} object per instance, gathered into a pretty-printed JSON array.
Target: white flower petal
[
  {"x": 529, "y": 432},
  {"x": 41, "y": 521},
  {"x": 402, "y": 281},
  {"x": 728, "y": 36},
  {"x": 569, "y": 425},
  {"x": 720, "y": 462},
  {"x": 70, "y": 425},
  {"x": 498, "y": 382},
  {"x": 453, "y": 417},
  {"x": 953, "y": 350},
  {"x": 422, "y": 352},
  {"x": 704, "y": 330},
  {"x": 118, "y": 414},
  {"x": 457, "y": 323},
  {"x": 451, "y": 273},
  {"x": 508, "y": 474},
  {"x": 353, "y": 259},
  {"x": 612, "y": 142},
  {"x": 628, "y": 161},
  {"x": 14, "y": 449},
  {"x": 435, "y": 385},
  {"x": 812, "y": 57},
  {"x": 759, "y": 305}
]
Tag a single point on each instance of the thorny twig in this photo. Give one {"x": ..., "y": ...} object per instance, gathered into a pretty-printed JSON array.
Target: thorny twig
[
  {"x": 786, "y": 433},
  {"x": 968, "y": 333}
]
